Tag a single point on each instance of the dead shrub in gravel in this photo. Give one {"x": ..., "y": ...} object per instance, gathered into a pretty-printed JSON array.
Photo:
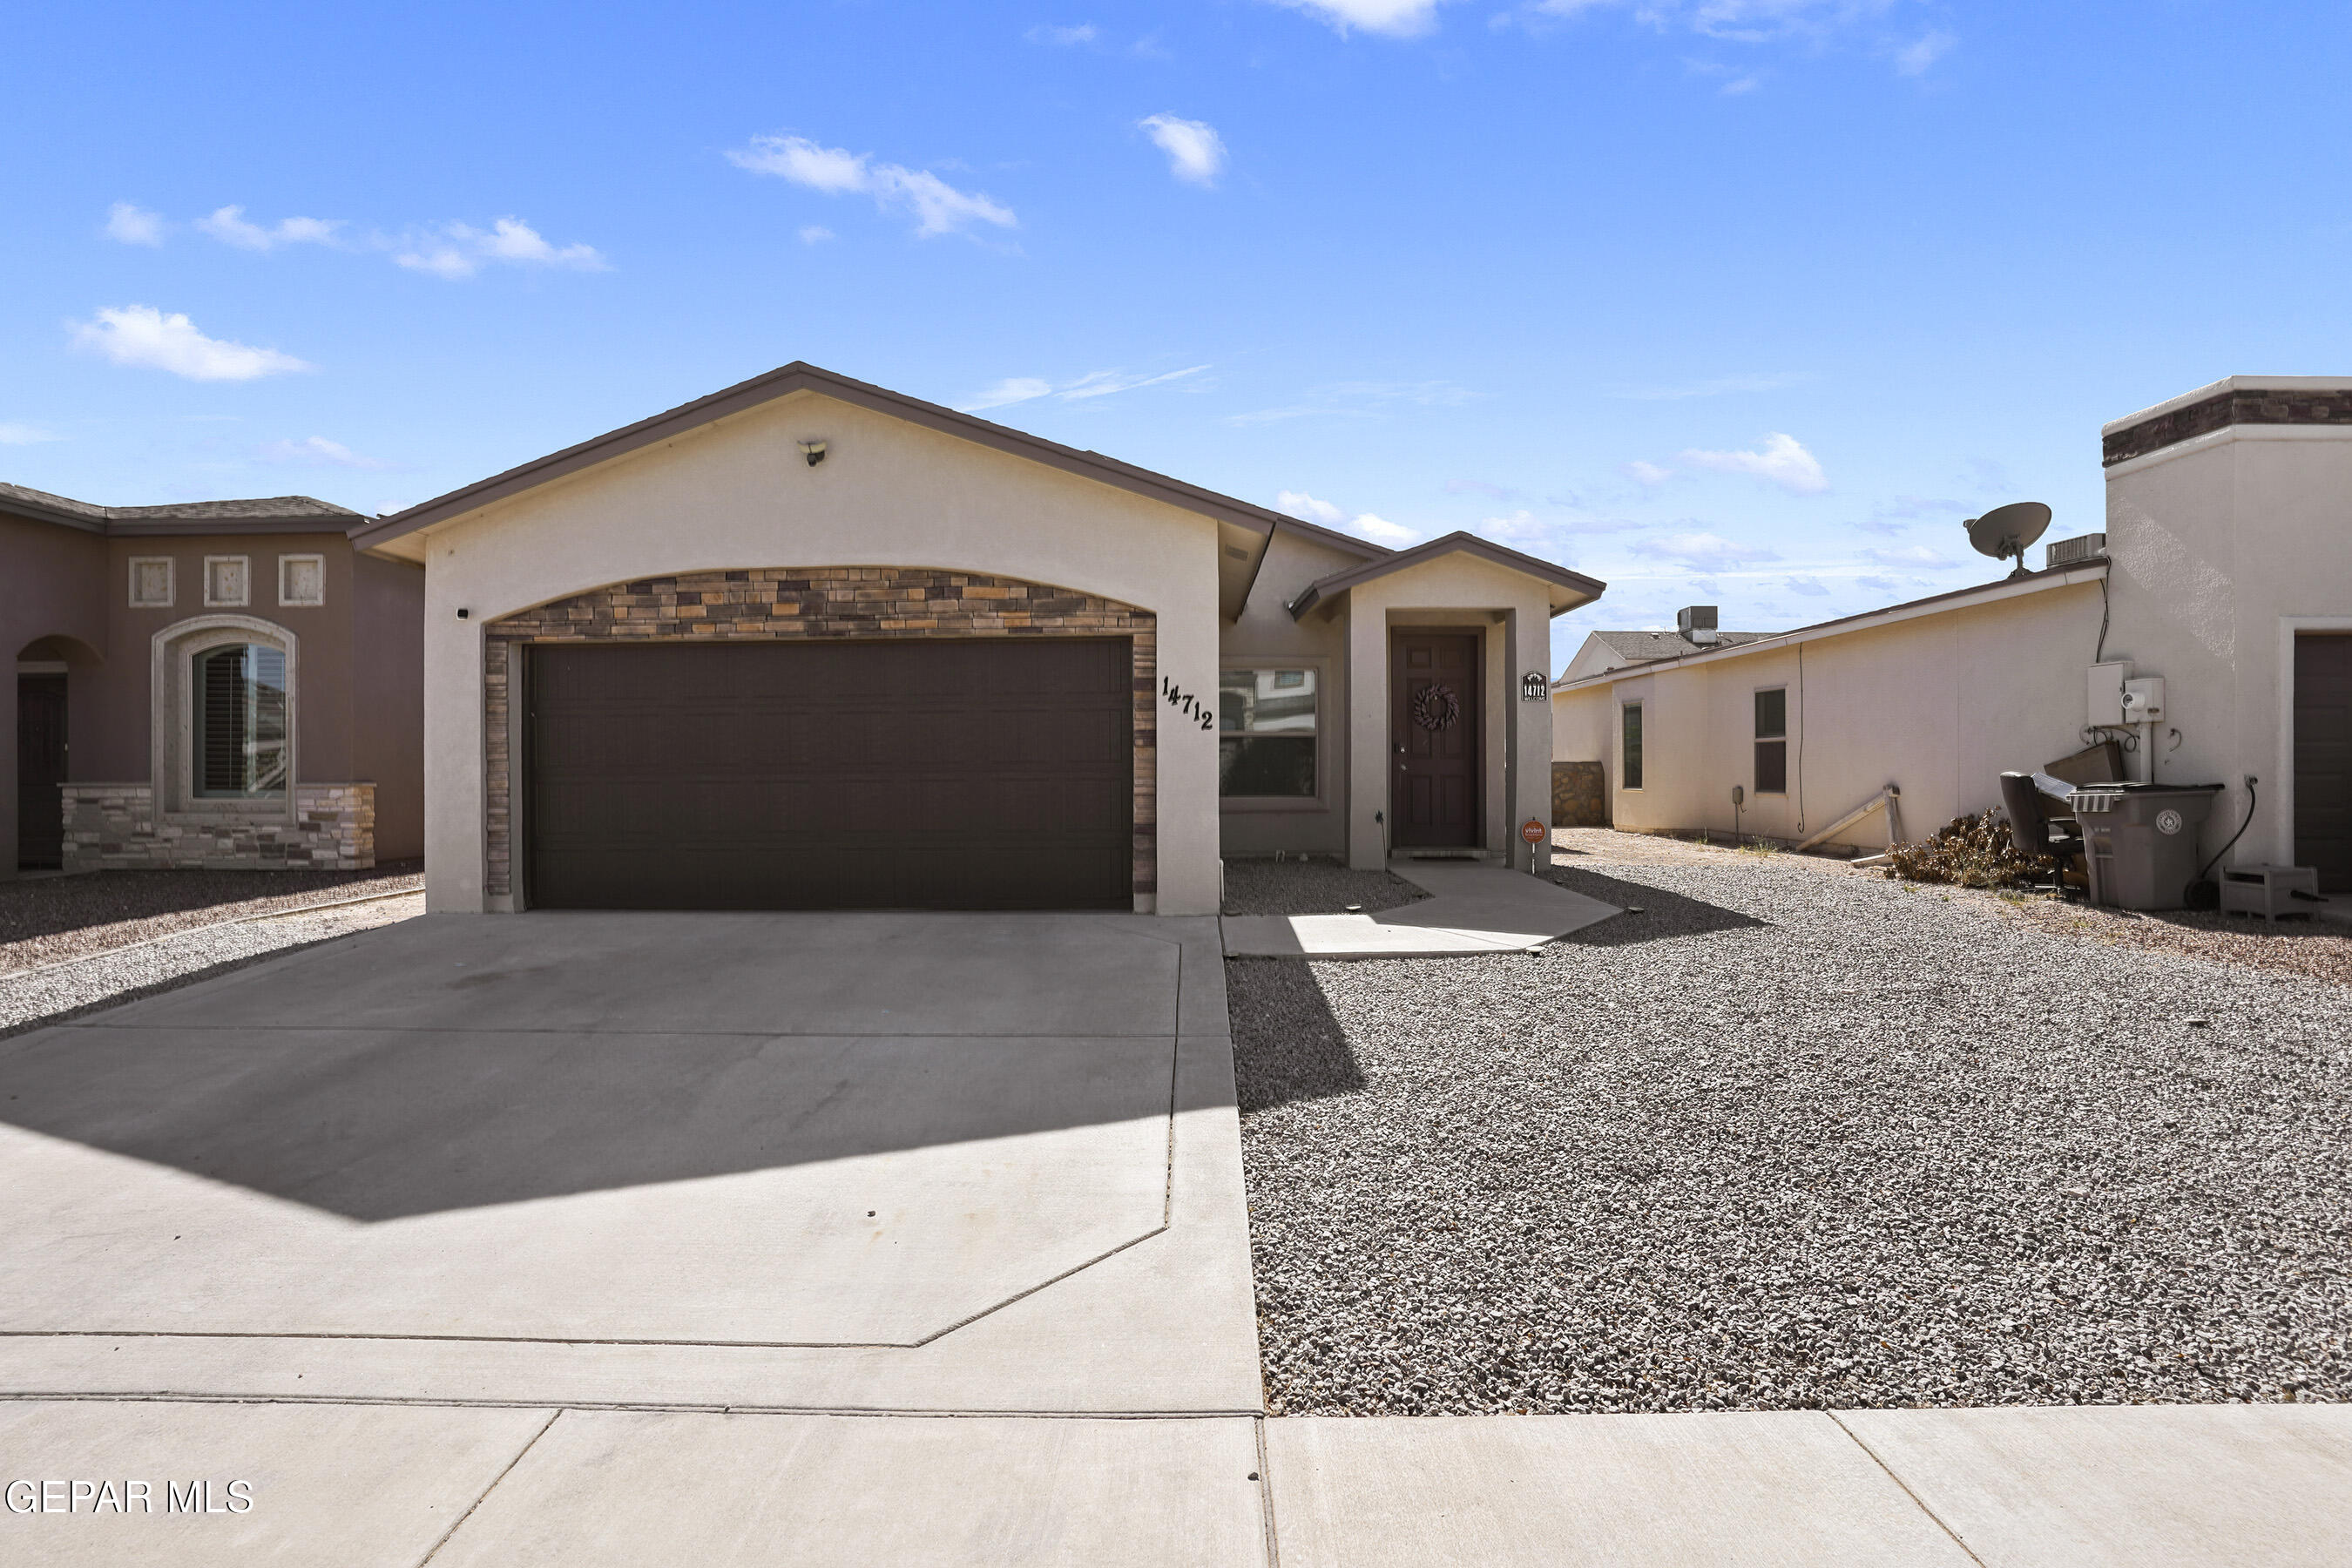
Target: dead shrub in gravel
[{"x": 1969, "y": 852}]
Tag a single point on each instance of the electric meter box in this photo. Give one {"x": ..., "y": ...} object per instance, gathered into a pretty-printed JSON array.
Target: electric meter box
[
  {"x": 2144, "y": 699},
  {"x": 2107, "y": 694}
]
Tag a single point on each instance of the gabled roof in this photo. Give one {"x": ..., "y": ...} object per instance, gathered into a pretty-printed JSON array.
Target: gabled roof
[
  {"x": 264, "y": 514},
  {"x": 2009, "y": 587},
  {"x": 800, "y": 377},
  {"x": 1641, "y": 646},
  {"x": 1570, "y": 589}
]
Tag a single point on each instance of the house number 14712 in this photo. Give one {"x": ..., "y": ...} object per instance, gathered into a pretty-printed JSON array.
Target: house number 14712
[{"x": 1187, "y": 704}]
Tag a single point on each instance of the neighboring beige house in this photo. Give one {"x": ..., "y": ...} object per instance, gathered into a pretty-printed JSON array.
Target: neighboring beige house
[
  {"x": 2225, "y": 575},
  {"x": 211, "y": 684},
  {"x": 1695, "y": 632},
  {"x": 808, "y": 643}
]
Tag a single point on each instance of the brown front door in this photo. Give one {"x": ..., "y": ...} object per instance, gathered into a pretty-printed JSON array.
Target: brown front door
[
  {"x": 1434, "y": 708},
  {"x": 40, "y": 768},
  {"x": 2323, "y": 758},
  {"x": 945, "y": 775}
]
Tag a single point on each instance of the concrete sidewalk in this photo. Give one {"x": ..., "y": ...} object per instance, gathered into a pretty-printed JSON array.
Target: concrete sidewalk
[
  {"x": 1472, "y": 908},
  {"x": 393, "y": 1486}
]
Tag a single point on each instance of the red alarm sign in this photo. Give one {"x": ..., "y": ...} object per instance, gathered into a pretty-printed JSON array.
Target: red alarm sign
[{"x": 1532, "y": 831}]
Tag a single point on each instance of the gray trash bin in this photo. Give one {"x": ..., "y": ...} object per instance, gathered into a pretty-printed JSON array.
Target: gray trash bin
[{"x": 2141, "y": 841}]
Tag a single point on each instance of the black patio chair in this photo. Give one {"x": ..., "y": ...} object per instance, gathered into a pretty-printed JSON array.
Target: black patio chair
[{"x": 2034, "y": 825}]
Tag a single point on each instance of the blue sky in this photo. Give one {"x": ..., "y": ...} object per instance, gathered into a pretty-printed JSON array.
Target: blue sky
[{"x": 1741, "y": 301}]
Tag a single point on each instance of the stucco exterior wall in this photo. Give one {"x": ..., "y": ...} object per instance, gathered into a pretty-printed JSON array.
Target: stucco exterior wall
[
  {"x": 388, "y": 696},
  {"x": 1266, "y": 635},
  {"x": 2223, "y": 546},
  {"x": 1515, "y": 613},
  {"x": 1940, "y": 705},
  {"x": 737, "y": 493},
  {"x": 51, "y": 588}
]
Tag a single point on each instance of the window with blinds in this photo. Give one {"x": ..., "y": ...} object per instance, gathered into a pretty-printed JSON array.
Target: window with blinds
[{"x": 240, "y": 722}]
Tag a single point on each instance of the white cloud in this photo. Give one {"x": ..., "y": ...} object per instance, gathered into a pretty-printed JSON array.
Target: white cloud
[
  {"x": 1196, "y": 154},
  {"x": 1094, "y": 383},
  {"x": 1396, "y": 19},
  {"x": 1716, "y": 387},
  {"x": 228, "y": 225},
  {"x": 456, "y": 250},
  {"x": 143, "y": 335},
  {"x": 25, "y": 435},
  {"x": 1649, "y": 474},
  {"x": 1914, "y": 556},
  {"x": 1782, "y": 460},
  {"x": 1360, "y": 400},
  {"x": 814, "y": 233},
  {"x": 1881, "y": 585},
  {"x": 1810, "y": 586},
  {"x": 1103, "y": 383},
  {"x": 1310, "y": 509},
  {"x": 1012, "y": 389},
  {"x": 938, "y": 206},
  {"x": 1706, "y": 552},
  {"x": 1063, "y": 37},
  {"x": 317, "y": 451},
  {"x": 1736, "y": 21},
  {"x": 1912, "y": 59},
  {"x": 133, "y": 224}
]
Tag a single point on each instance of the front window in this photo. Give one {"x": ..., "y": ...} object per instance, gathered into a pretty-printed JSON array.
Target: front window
[
  {"x": 1633, "y": 749},
  {"x": 1267, "y": 724},
  {"x": 240, "y": 721}
]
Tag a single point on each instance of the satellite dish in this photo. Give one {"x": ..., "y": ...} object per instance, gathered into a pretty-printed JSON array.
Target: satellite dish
[{"x": 2008, "y": 530}]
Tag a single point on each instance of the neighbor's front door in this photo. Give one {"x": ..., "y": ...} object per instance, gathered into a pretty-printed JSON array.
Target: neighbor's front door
[
  {"x": 1433, "y": 713},
  {"x": 40, "y": 768}
]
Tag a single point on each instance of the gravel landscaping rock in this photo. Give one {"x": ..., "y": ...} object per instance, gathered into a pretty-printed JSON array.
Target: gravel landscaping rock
[
  {"x": 1794, "y": 1136},
  {"x": 1311, "y": 888},
  {"x": 31, "y": 999},
  {"x": 46, "y": 919}
]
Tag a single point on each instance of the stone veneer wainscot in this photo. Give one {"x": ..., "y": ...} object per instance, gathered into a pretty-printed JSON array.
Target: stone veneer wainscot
[
  {"x": 807, "y": 603},
  {"x": 113, "y": 827}
]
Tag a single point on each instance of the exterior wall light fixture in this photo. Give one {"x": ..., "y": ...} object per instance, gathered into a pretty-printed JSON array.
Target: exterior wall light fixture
[{"x": 814, "y": 451}]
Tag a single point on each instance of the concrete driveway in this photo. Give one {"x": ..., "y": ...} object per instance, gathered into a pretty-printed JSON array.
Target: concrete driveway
[{"x": 758, "y": 1161}]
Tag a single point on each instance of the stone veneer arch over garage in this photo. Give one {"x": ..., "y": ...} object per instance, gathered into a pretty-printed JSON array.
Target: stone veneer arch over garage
[{"x": 810, "y": 603}]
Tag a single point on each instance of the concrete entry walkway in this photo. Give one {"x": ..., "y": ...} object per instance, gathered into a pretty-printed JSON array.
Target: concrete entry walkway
[
  {"x": 1474, "y": 909},
  {"x": 760, "y": 1161}
]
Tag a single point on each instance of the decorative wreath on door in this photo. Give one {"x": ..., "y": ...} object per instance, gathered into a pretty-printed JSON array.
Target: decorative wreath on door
[{"x": 1436, "y": 707}]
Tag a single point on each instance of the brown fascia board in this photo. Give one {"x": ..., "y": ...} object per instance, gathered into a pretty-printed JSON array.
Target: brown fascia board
[
  {"x": 800, "y": 377},
  {"x": 1468, "y": 543}
]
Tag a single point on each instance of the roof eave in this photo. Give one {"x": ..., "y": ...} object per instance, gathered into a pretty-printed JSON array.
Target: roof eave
[{"x": 800, "y": 376}]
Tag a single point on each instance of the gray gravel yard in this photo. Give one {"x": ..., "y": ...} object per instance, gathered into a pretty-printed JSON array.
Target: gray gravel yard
[
  {"x": 60, "y": 989},
  {"x": 1311, "y": 888},
  {"x": 46, "y": 919},
  {"x": 1794, "y": 1136}
]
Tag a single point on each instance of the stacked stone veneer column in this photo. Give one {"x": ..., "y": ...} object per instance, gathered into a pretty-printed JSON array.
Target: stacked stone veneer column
[
  {"x": 1580, "y": 795},
  {"x": 807, "y": 603},
  {"x": 113, "y": 827}
]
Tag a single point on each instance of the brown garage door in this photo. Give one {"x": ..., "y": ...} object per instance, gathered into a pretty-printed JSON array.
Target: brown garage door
[{"x": 933, "y": 774}]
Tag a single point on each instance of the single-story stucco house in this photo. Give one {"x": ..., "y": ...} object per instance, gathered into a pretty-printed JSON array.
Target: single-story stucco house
[
  {"x": 213, "y": 684},
  {"x": 2223, "y": 576},
  {"x": 808, "y": 643}
]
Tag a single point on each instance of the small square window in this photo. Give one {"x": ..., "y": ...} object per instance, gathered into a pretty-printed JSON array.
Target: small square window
[
  {"x": 151, "y": 582},
  {"x": 302, "y": 579},
  {"x": 228, "y": 580}
]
